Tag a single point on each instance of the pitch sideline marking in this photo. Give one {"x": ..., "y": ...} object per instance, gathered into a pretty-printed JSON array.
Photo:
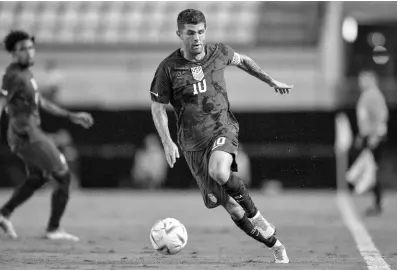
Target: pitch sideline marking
[{"x": 365, "y": 245}]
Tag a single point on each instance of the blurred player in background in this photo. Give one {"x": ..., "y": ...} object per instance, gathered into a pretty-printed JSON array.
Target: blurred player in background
[
  {"x": 19, "y": 96},
  {"x": 192, "y": 80},
  {"x": 372, "y": 117},
  {"x": 150, "y": 166}
]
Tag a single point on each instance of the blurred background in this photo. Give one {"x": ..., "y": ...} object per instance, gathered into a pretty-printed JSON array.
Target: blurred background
[{"x": 101, "y": 57}]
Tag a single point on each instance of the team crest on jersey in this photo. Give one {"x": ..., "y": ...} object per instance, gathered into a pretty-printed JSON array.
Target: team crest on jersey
[{"x": 197, "y": 73}]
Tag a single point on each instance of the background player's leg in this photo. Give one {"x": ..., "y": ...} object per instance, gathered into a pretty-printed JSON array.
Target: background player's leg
[
  {"x": 59, "y": 199},
  {"x": 45, "y": 155},
  {"x": 23, "y": 192},
  {"x": 376, "y": 208},
  {"x": 377, "y": 191}
]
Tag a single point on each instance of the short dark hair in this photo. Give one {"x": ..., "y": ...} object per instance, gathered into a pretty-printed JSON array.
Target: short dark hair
[
  {"x": 190, "y": 16},
  {"x": 15, "y": 36}
]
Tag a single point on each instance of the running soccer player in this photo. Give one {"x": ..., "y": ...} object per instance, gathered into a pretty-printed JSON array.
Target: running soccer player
[
  {"x": 192, "y": 80},
  {"x": 19, "y": 95},
  {"x": 372, "y": 118}
]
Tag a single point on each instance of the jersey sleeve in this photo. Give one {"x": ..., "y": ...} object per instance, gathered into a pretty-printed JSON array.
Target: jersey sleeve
[
  {"x": 11, "y": 83},
  {"x": 4, "y": 86},
  {"x": 161, "y": 86},
  {"x": 231, "y": 57}
]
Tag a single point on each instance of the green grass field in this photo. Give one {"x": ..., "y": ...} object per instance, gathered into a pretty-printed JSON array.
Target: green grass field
[{"x": 114, "y": 230}]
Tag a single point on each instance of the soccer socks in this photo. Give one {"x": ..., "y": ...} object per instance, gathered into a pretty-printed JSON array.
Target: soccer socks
[
  {"x": 378, "y": 194},
  {"x": 245, "y": 225},
  {"x": 237, "y": 190},
  {"x": 59, "y": 200},
  {"x": 22, "y": 193}
]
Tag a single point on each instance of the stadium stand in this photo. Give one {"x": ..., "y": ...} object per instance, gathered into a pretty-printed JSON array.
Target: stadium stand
[
  {"x": 106, "y": 22},
  {"x": 290, "y": 23}
]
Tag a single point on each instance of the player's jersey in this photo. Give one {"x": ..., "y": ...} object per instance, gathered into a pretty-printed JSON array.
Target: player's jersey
[
  {"x": 20, "y": 89},
  {"x": 372, "y": 113},
  {"x": 198, "y": 93}
]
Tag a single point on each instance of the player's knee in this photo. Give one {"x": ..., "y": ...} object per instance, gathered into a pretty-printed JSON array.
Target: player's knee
[
  {"x": 220, "y": 166},
  {"x": 219, "y": 174},
  {"x": 63, "y": 177}
]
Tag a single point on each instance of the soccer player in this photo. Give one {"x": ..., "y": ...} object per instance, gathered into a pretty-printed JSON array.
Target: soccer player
[
  {"x": 19, "y": 95},
  {"x": 192, "y": 80},
  {"x": 372, "y": 117}
]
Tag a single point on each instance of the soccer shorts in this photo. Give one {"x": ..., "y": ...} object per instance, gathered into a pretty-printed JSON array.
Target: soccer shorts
[
  {"x": 37, "y": 150},
  {"x": 198, "y": 161}
]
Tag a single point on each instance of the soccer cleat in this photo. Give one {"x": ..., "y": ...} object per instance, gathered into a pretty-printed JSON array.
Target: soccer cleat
[
  {"x": 61, "y": 235},
  {"x": 280, "y": 254},
  {"x": 264, "y": 227},
  {"x": 7, "y": 227}
]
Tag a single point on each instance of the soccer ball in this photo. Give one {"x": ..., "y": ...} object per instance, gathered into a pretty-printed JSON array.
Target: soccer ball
[{"x": 168, "y": 236}]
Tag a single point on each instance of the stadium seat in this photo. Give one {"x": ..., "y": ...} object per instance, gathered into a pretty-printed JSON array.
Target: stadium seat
[{"x": 125, "y": 22}]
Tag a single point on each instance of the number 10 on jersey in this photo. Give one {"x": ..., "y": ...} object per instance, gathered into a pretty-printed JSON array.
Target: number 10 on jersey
[{"x": 199, "y": 87}]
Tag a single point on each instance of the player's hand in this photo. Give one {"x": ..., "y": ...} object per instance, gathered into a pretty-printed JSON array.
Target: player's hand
[
  {"x": 280, "y": 87},
  {"x": 82, "y": 118},
  {"x": 171, "y": 152}
]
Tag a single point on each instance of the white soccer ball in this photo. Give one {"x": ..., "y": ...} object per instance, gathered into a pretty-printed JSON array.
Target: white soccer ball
[{"x": 168, "y": 236}]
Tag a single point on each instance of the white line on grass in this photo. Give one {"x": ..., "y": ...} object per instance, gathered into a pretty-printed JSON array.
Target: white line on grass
[{"x": 364, "y": 242}]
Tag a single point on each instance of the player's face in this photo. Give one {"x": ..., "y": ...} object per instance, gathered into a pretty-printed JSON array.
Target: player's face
[
  {"x": 24, "y": 52},
  {"x": 193, "y": 37}
]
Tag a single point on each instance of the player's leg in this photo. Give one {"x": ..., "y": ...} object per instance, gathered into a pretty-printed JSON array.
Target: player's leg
[
  {"x": 45, "y": 155},
  {"x": 241, "y": 220},
  {"x": 222, "y": 160},
  {"x": 59, "y": 199},
  {"x": 220, "y": 170},
  {"x": 377, "y": 190},
  {"x": 214, "y": 195},
  {"x": 21, "y": 194}
]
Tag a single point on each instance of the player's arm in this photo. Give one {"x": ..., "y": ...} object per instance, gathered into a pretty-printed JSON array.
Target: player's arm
[
  {"x": 81, "y": 118},
  {"x": 3, "y": 94},
  {"x": 250, "y": 66},
  {"x": 3, "y": 99},
  {"x": 3, "y": 102},
  {"x": 161, "y": 122},
  {"x": 160, "y": 92}
]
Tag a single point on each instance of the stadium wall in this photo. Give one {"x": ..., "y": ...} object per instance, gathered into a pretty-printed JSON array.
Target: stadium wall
[{"x": 293, "y": 147}]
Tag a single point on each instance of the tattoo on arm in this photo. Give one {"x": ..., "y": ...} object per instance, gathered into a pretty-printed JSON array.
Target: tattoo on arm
[
  {"x": 160, "y": 119},
  {"x": 247, "y": 64},
  {"x": 53, "y": 108}
]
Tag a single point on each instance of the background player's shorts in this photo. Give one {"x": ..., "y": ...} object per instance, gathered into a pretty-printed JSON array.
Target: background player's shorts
[
  {"x": 37, "y": 150},
  {"x": 376, "y": 151},
  {"x": 198, "y": 161}
]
